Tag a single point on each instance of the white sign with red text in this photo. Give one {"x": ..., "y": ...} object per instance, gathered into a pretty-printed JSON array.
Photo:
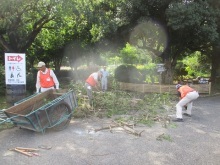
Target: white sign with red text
[{"x": 15, "y": 68}]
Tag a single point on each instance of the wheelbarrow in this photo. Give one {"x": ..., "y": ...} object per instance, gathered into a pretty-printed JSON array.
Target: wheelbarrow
[{"x": 42, "y": 111}]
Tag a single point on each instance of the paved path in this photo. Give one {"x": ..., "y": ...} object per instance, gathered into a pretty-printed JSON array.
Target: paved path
[{"x": 196, "y": 141}]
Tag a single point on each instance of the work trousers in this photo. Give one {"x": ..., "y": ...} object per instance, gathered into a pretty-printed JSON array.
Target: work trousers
[
  {"x": 104, "y": 82},
  {"x": 46, "y": 89},
  {"x": 187, "y": 100},
  {"x": 89, "y": 91}
]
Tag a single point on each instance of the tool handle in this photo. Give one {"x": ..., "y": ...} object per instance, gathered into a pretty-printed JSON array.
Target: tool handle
[
  {"x": 27, "y": 154},
  {"x": 27, "y": 149}
]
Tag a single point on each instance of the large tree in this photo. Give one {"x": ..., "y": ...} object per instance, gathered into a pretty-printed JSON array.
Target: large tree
[
  {"x": 21, "y": 21},
  {"x": 33, "y": 27},
  {"x": 193, "y": 27},
  {"x": 215, "y": 51},
  {"x": 170, "y": 28}
]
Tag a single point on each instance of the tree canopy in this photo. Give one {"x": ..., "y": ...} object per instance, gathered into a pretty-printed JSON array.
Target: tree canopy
[{"x": 49, "y": 30}]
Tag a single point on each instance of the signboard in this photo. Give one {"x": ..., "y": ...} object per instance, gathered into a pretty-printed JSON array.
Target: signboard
[
  {"x": 160, "y": 68},
  {"x": 15, "y": 68}
]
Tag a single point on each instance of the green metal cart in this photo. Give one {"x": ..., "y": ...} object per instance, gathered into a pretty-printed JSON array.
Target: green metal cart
[{"x": 42, "y": 111}]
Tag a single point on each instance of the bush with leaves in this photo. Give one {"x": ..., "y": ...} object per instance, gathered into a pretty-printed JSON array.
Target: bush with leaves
[
  {"x": 129, "y": 74},
  {"x": 2, "y": 82},
  {"x": 31, "y": 80}
]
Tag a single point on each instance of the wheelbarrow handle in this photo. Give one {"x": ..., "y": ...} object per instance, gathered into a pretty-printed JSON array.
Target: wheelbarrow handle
[{"x": 6, "y": 120}]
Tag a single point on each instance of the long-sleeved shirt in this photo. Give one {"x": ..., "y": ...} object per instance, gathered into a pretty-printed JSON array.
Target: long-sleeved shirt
[
  {"x": 52, "y": 74},
  {"x": 105, "y": 74}
]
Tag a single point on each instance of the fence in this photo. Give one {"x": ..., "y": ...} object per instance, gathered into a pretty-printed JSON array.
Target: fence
[{"x": 157, "y": 88}]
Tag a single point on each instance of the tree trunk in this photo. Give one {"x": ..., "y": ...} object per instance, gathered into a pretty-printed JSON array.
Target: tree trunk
[
  {"x": 167, "y": 76},
  {"x": 215, "y": 71}
]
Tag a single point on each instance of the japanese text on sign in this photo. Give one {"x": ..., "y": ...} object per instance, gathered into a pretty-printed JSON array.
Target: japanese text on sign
[{"x": 15, "y": 68}]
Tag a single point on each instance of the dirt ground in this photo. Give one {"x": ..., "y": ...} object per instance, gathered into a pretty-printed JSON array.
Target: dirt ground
[{"x": 196, "y": 141}]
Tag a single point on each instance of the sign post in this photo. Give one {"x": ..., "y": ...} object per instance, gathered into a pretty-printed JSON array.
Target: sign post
[
  {"x": 160, "y": 69},
  {"x": 15, "y": 76}
]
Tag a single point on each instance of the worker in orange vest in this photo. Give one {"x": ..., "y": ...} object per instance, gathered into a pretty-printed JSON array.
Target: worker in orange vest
[
  {"x": 46, "y": 78},
  {"x": 92, "y": 81},
  {"x": 186, "y": 95}
]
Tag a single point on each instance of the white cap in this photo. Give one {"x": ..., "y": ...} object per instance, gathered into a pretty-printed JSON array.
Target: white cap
[
  {"x": 40, "y": 64},
  {"x": 178, "y": 86}
]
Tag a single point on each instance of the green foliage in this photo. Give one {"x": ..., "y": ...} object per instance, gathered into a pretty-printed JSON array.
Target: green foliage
[
  {"x": 110, "y": 58},
  {"x": 164, "y": 137},
  {"x": 128, "y": 73},
  {"x": 3, "y": 103},
  {"x": 142, "y": 59},
  {"x": 78, "y": 88},
  {"x": 113, "y": 84},
  {"x": 193, "y": 66},
  {"x": 6, "y": 126},
  {"x": 31, "y": 80},
  {"x": 194, "y": 22},
  {"x": 149, "y": 72},
  {"x": 114, "y": 60},
  {"x": 166, "y": 29},
  {"x": 143, "y": 109},
  {"x": 133, "y": 55},
  {"x": 2, "y": 82},
  {"x": 142, "y": 74},
  {"x": 21, "y": 26},
  {"x": 129, "y": 54}
]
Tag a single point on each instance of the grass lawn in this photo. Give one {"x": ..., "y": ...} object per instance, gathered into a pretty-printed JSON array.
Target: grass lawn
[{"x": 4, "y": 105}]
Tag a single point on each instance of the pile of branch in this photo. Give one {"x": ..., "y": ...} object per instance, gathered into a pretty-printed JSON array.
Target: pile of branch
[{"x": 129, "y": 128}]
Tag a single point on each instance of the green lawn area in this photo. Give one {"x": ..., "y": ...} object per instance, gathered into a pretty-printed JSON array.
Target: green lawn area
[{"x": 3, "y": 103}]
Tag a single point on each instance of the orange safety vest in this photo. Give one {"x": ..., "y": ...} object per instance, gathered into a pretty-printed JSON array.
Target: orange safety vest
[
  {"x": 46, "y": 81},
  {"x": 184, "y": 90},
  {"x": 91, "y": 81}
]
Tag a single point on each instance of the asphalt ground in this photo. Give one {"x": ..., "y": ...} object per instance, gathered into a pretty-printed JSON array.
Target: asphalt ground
[{"x": 196, "y": 141}]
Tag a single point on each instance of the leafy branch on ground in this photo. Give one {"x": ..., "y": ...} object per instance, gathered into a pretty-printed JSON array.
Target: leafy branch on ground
[
  {"x": 122, "y": 106},
  {"x": 6, "y": 126},
  {"x": 164, "y": 137},
  {"x": 125, "y": 106}
]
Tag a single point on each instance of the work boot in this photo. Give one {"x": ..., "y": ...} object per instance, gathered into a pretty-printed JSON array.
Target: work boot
[
  {"x": 186, "y": 114},
  {"x": 178, "y": 120}
]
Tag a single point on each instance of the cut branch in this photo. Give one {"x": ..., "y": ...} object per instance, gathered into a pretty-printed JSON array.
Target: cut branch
[{"x": 126, "y": 126}]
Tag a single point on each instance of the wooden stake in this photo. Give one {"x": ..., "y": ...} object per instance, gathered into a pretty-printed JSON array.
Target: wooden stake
[
  {"x": 27, "y": 149},
  {"x": 109, "y": 127},
  {"x": 23, "y": 152}
]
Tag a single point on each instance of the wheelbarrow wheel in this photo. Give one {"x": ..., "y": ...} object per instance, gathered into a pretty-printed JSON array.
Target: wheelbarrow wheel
[{"x": 60, "y": 116}]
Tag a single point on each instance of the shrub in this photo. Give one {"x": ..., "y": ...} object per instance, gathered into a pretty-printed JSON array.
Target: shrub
[
  {"x": 128, "y": 73},
  {"x": 31, "y": 80},
  {"x": 2, "y": 82}
]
